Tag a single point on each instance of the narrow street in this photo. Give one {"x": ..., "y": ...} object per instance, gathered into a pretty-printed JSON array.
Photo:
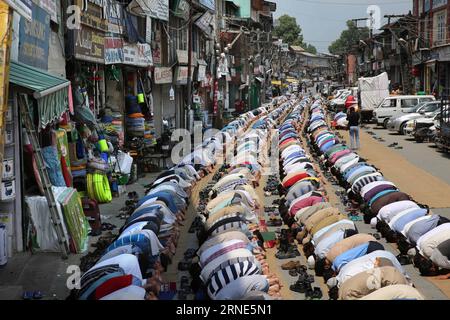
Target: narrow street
[{"x": 225, "y": 150}]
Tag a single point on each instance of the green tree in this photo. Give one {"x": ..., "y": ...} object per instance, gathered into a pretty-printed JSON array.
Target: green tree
[
  {"x": 348, "y": 38},
  {"x": 291, "y": 33},
  {"x": 310, "y": 48},
  {"x": 288, "y": 30}
]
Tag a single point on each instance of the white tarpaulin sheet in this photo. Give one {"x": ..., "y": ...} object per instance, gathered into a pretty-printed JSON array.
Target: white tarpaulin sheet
[
  {"x": 373, "y": 91},
  {"x": 46, "y": 237}
]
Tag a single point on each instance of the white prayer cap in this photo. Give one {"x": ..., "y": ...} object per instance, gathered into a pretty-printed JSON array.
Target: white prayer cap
[
  {"x": 373, "y": 223},
  {"x": 332, "y": 282},
  {"x": 311, "y": 262}
]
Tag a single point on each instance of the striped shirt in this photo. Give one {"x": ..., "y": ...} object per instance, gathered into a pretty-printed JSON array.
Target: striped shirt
[
  {"x": 361, "y": 182},
  {"x": 230, "y": 273},
  {"x": 222, "y": 251}
]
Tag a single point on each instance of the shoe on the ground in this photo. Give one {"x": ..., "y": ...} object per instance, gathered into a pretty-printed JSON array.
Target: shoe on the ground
[
  {"x": 285, "y": 255},
  {"x": 291, "y": 265},
  {"x": 293, "y": 272},
  {"x": 300, "y": 287}
]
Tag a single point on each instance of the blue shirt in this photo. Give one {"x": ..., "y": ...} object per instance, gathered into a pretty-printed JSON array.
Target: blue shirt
[
  {"x": 327, "y": 146},
  {"x": 407, "y": 218},
  {"x": 353, "y": 168},
  {"x": 349, "y": 255},
  {"x": 165, "y": 196},
  {"x": 324, "y": 246},
  {"x": 360, "y": 172}
]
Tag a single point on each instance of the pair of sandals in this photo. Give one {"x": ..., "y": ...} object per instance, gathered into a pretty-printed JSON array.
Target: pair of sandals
[
  {"x": 403, "y": 259},
  {"x": 133, "y": 196},
  {"x": 395, "y": 146},
  {"x": 108, "y": 226},
  {"x": 301, "y": 286},
  {"x": 285, "y": 255},
  {"x": 196, "y": 225},
  {"x": 298, "y": 271},
  {"x": 32, "y": 295},
  {"x": 375, "y": 235},
  {"x": 314, "y": 294}
]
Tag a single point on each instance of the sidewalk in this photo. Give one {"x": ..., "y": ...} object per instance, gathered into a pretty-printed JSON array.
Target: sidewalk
[{"x": 46, "y": 272}]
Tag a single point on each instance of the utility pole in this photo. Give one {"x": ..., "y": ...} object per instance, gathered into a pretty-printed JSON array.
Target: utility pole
[
  {"x": 189, "y": 80},
  {"x": 406, "y": 82}
]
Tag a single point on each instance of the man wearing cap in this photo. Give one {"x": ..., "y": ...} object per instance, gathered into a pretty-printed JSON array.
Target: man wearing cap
[
  {"x": 372, "y": 260},
  {"x": 368, "y": 281}
]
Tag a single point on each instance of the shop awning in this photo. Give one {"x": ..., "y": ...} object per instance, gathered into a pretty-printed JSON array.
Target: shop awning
[{"x": 51, "y": 92}]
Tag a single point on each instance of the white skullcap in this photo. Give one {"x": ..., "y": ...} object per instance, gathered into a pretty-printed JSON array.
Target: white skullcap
[
  {"x": 332, "y": 282},
  {"x": 373, "y": 223},
  {"x": 311, "y": 262},
  {"x": 411, "y": 252}
]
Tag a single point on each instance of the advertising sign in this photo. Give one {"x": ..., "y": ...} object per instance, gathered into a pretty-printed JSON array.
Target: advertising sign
[
  {"x": 89, "y": 45},
  {"x": 138, "y": 54},
  {"x": 163, "y": 75},
  {"x": 113, "y": 50},
  {"x": 210, "y": 4},
  {"x": 50, "y": 7},
  {"x": 34, "y": 39},
  {"x": 22, "y": 7}
]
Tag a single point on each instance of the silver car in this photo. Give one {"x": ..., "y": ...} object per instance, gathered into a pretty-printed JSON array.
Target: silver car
[{"x": 399, "y": 123}]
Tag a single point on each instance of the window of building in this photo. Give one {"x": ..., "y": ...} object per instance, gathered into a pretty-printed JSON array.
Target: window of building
[{"x": 440, "y": 22}]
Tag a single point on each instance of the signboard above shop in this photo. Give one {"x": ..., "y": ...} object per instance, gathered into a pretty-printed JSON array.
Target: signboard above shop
[
  {"x": 210, "y": 4},
  {"x": 51, "y": 8},
  {"x": 182, "y": 9},
  {"x": 94, "y": 15},
  {"x": 439, "y": 3},
  {"x": 22, "y": 7},
  {"x": 138, "y": 54},
  {"x": 163, "y": 75},
  {"x": 204, "y": 23},
  {"x": 89, "y": 45},
  {"x": 113, "y": 50},
  {"x": 157, "y": 9},
  {"x": 115, "y": 16},
  {"x": 34, "y": 39}
]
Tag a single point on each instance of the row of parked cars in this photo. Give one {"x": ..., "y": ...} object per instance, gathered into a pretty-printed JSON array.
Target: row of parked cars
[{"x": 416, "y": 116}]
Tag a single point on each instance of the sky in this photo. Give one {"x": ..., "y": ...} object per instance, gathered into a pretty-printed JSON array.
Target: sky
[{"x": 322, "y": 21}]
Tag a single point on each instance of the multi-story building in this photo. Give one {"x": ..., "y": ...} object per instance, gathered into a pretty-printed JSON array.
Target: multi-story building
[{"x": 431, "y": 47}]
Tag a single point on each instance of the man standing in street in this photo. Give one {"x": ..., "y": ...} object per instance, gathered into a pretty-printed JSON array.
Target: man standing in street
[{"x": 353, "y": 125}]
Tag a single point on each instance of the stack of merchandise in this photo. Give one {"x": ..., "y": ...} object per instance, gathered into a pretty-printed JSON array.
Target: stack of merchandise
[
  {"x": 117, "y": 124},
  {"x": 62, "y": 145},
  {"x": 149, "y": 133},
  {"x": 77, "y": 155},
  {"x": 135, "y": 119},
  {"x": 112, "y": 126}
]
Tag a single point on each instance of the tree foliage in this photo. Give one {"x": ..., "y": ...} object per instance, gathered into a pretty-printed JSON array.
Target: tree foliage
[
  {"x": 348, "y": 38},
  {"x": 291, "y": 33},
  {"x": 311, "y": 49},
  {"x": 288, "y": 30}
]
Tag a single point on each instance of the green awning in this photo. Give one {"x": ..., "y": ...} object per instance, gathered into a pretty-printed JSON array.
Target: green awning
[{"x": 51, "y": 92}]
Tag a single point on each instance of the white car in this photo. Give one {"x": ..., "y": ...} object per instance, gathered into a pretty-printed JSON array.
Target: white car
[
  {"x": 425, "y": 122},
  {"x": 393, "y": 105},
  {"x": 339, "y": 102}
]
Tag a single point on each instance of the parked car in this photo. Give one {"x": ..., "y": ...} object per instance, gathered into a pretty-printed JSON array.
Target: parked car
[
  {"x": 338, "y": 104},
  {"x": 426, "y": 128},
  {"x": 398, "y": 123},
  {"x": 393, "y": 105}
]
